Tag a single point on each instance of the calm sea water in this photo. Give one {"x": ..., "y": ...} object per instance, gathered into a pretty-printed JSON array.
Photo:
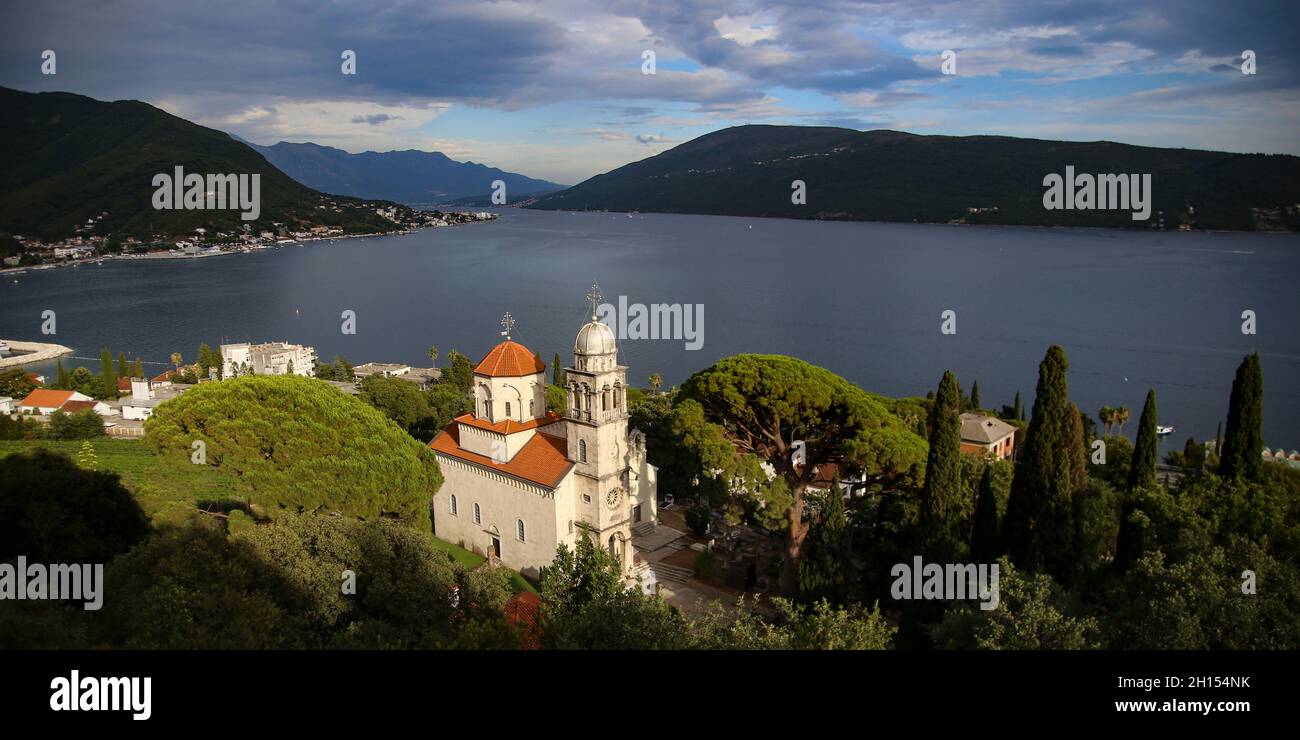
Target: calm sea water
[{"x": 1133, "y": 310}]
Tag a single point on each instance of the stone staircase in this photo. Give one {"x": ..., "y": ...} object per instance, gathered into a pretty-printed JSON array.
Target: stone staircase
[
  {"x": 666, "y": 572},
  {"x": 643, "y": 528}
]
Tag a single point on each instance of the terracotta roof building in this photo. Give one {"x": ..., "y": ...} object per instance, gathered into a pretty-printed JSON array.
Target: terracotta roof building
[
  {"x": 48, "y": 400},
  {"x": 521, "y": 480}
]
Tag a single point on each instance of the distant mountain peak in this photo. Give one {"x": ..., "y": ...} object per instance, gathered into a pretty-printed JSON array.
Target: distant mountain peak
[
  {"x": 410, "y": 176},
  {"x": 885, "y": 175}
]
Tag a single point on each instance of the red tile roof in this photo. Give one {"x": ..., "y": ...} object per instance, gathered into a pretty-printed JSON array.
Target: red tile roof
[
  {"x": 162, "y": 377},
  {"x": 124, "y": 384},
  {"x": 542, "y": 460},
  {"x": 509, "y": 426},
  {"x": 510, "y": 360},
  {"x": 46, "y": 398},
  {"x": 524, "y": 611},
  {"x": 72, "y": 407}
]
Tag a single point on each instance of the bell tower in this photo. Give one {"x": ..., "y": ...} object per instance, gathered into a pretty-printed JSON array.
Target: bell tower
[{"x": 597, "y": 420}]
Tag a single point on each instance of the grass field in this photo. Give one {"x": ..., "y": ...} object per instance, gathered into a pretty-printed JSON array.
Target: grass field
[{"x": 168, "y": 490}]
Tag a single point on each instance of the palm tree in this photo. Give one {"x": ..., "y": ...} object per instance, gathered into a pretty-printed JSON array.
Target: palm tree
[
  {"x": 655, "y": 382},
  {"x": 176, "y": 361},
  {"x": 1121, "y": 417},
  {"x": 433, "y": 355},
  {"x": 1107, "y": 416}
]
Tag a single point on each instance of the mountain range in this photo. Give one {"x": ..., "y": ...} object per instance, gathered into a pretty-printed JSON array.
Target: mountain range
[
  {"x": 894, "y": 176},
  {"x": 413, "y": 177},
  {"x": 73, "y": 163}
]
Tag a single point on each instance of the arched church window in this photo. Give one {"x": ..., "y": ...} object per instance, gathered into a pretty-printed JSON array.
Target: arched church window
[
  {"x": 532, "y": 408},
  {"x": 478, "y": 515},
  {"x": 508, "y": 410},
  {"x": 618, "y": 391},
  {"x": 582, "y": 450},
  {"x": 453, "y": 505},
  {"x": 519, "y": 529}
]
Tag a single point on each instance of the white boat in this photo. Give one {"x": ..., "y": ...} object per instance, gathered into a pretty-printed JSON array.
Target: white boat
[{"x": 1162, "y": 431}]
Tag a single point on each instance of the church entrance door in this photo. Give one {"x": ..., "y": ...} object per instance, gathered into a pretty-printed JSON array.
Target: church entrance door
[{"x": 496, "y": 547}]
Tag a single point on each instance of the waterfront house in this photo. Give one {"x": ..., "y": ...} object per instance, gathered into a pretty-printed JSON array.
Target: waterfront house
[
  {"x": 987, "y": 435},
  {"x": 45, "y": 401},
  {"x": 269, "y": 358},
  {"x": 161, "y": 380},
  {"x": 6, "y": 405},
  {"x": 99, "y": 407}
]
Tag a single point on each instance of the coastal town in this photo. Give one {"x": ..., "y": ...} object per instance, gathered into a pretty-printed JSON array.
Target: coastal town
[{"x": 88, "y": 245}]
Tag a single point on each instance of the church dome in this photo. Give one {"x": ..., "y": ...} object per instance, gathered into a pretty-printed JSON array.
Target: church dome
[
  {"x": 594, "y": 338},
  {"x": 509, "y": 360}
]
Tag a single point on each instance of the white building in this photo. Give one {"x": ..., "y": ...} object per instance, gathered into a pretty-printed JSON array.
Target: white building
[
  {"x": 45, "y": 401},
  {"x": 270, "y": 358},
  {"x": 521, "y": 480}
]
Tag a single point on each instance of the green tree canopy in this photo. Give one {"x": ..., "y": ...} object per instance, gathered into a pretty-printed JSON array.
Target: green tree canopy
[
  {"x": 400, "y": 400},
  {"x": 460, "y": 374},
  {"x": 295, "y": 443},
  {"x": 15, "y": 383},
  {"x": 764, "y": 404}
]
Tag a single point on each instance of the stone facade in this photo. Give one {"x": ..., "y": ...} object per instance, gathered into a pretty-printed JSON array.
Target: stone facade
[{"x": 511, "y": 463}]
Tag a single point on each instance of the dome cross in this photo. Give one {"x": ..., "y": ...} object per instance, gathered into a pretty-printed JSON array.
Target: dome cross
[{"x": 595, "y": 297}]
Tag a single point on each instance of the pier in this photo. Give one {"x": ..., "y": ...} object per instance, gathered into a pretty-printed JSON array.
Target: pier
[{"x": 23, "y": 353}]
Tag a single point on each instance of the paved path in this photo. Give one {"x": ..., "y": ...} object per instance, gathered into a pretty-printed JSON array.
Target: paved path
[{"x": 31, "y": 352}]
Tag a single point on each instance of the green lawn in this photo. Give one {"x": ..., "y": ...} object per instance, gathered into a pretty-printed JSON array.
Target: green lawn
[
  {"x": 470, "y": 560},
  {"x": 169, "y": 489},
  {"x": 460, "y": 554}
]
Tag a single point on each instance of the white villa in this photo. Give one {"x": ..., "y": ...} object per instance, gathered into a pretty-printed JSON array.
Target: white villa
[
  {"x": 521, "y": 480},
  {"x": 270, "y": 358}
]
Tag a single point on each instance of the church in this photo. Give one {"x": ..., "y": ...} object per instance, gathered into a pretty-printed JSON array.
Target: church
[{"x": 520, "y": 480}]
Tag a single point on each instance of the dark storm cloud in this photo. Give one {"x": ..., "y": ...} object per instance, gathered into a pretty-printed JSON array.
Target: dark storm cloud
[{"x": 513, "y": 55}]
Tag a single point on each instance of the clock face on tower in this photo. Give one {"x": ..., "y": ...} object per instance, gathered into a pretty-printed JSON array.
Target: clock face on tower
[{"x": 614, "y": 496}]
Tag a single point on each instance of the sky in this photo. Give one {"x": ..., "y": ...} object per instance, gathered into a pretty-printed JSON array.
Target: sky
[{"x": 559, "y": 90}]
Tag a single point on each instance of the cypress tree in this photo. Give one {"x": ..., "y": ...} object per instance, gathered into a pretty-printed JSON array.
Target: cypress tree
[
  {"x": 557, "y": 371},
  {"x": 1018, "y": 412},
  {"x": 984, "y": 531},
  {"x": 1033, "y": 485},
  {"x": 941, "y": 497},
  {"x": 823, "y": 570},
  {"x": 1142, "y": 470},
  {"x": 1076, "y": 448},
  {"x": 1243, "y": 441},
  {"x": 1218, "y": 439},
  {"x": 122, "y": 370},
  {"x": 975, "y": 395},
  {"x": 62, "y": 381},
  {"x": 137, "y": 369},
  {"x": 107, "y": 376},
  {"x": 1129, "y": 544}
]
